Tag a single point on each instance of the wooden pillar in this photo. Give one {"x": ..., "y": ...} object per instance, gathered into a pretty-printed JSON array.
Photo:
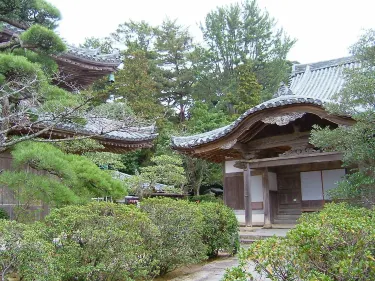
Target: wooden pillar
[
  {"x": 247, "y": 193},
  {"x": 266, "y": 199}
]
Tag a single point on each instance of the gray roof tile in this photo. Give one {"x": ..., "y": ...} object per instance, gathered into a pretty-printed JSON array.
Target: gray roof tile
[{"x": 111, "y": 130}]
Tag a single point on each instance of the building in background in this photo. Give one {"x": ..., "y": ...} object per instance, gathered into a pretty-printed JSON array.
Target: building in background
[{"x": 272, "y": 172}]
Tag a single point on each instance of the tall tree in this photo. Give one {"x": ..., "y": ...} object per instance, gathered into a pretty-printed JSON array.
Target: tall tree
[
  {"x": 174, "y": 45},
  {"x": 357, "y": 142},
  {"x": 243, "y": 34},
  {"x": 199, "y": 172}
]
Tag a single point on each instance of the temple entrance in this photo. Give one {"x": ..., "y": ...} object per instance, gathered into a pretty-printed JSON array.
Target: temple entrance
[{"x": 289, "y": 198}]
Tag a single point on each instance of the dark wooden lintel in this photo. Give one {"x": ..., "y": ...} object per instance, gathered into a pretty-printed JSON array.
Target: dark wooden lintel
[{"x": 293, "y": 160}]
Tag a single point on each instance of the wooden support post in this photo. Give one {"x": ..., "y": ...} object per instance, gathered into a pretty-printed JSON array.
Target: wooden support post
[
  {"x": 247, "y": 193},
  {"x": 266, "y": 199}
]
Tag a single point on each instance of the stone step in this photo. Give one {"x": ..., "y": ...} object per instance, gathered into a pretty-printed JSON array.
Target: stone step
[
  {"x": 246, "y": 229},
  {"x": 249, "y": 235}
]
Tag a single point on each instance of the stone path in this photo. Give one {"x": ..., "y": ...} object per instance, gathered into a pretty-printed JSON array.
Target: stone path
[
  {"x": 211, "y": 271},
  {"x": 215, "y": 270}
]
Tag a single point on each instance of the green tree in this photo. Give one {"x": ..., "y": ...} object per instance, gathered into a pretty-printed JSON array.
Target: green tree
[
  {"x": 240, "y": 34},
  {"x": 61, "y": 179},
  {"x": 357, "y": 142},
  {"x": 24, "y": 13},
  {"x": 135, "y": 36},
  {"x": 174, "y": 46},
  {"x": 136, "y": 84},
  {"x": 104, "y": 45},
  {"x": 166, "y": 170},
  {"x": 201, "y": 172}
]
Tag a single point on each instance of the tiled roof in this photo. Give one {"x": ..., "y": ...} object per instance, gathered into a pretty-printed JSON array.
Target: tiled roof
[
  {"x": 314, "y": 83},
  {"x": 111, "y": 130},
  {"x": 320, "y": 80},
  {"x": 73, "y": 52},
  {"x": 191, "y": 141},
  {"x": 93, "y": 55}
]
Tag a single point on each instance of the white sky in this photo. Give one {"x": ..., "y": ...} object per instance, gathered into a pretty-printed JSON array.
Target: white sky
[{"x": 324, "y": 28}]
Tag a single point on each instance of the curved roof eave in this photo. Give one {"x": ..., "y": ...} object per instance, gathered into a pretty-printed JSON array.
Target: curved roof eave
[{"x": 207, "y": 137}]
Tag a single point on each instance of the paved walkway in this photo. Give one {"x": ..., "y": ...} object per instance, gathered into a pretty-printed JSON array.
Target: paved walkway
[
  {"x": 211, "y": 271},
  {"x": 215, "y": 270}
]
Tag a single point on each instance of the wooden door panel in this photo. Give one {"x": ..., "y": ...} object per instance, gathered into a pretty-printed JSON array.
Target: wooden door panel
[
  {"x": 234, "y": 192},
  {"x": 289, "y": 190}
]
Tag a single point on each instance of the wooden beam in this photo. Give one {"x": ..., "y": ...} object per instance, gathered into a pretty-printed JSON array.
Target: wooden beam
[
  {"x": 293, "y": 160},
  {"x": 283, "y": 140},
  {"x": 266, "y": 199},
  {"x": 256, "y": 130},
  {"x": 247, "y": 195}
]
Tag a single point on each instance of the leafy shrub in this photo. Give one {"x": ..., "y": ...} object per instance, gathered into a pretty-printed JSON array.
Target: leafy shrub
[
  {"x": 337, "y": 243},
  {"x": 181, "y": 228},
  {"x": 24, "y": 251},
  {"x": 205, "y": 198},
  {"x": 103, "y": 241},
  {"x": 3, "y": 214},
  {"x": 220, "y": 230}
]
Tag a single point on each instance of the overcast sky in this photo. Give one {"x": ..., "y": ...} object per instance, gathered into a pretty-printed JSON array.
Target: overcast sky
[{"x": 324, "y": 28}]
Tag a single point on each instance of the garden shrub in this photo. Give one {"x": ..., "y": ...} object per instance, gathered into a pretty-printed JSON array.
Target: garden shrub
[
  {"x": 3, "y": 214},
  {"x": 220, "y": 231},
  {"x": 205, "y": 198},
  {"x": 25, "y": 252},
  {"x": 337, "y": 243},
  {"x": 181, "y": 228},
  {"x": 104, "y": 241}
]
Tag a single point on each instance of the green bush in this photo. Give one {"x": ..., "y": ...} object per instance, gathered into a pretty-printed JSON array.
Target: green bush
[
  {"x": 205, "y": 198},
  {"x": 3, "y": 214},
  {"x": 181, "y": 227},
  {"x": 220, "y": 231},
  {"x": 337, "y": 243},
  {"x": 25, "y": 252},
  {"x": 104, "y": 241}
]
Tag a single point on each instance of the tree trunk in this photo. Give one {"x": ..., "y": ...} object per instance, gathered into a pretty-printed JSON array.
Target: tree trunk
[{"x": 5, "y": 113}]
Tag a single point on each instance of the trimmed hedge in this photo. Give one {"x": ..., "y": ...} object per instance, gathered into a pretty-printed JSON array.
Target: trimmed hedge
[
  {"x": 205, "y": 198},
  {"x": 106, "y": 241},
  {"x": 25, "y": 252},
  {"x": 220, "y": 228},
  {"x": 181, "y": 228},
  {"x": 103, "y": 241},
  {"x": 337, "y": 243}
]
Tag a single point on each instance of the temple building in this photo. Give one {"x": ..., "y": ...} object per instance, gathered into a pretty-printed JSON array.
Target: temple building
[
  {"x": 272, "y": 172},
  {"x": 81, "y": 67}
]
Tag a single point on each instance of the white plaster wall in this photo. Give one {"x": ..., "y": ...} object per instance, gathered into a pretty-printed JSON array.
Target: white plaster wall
[
  {"x": 257, "y": 218},
  {"x": 272, "y": 181},
  {"x": 256, "y": 189},
  {"x": 311, "y": 185},
  {"x": 229, "y": 167},
  {"x": 330, "y": 179}
]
